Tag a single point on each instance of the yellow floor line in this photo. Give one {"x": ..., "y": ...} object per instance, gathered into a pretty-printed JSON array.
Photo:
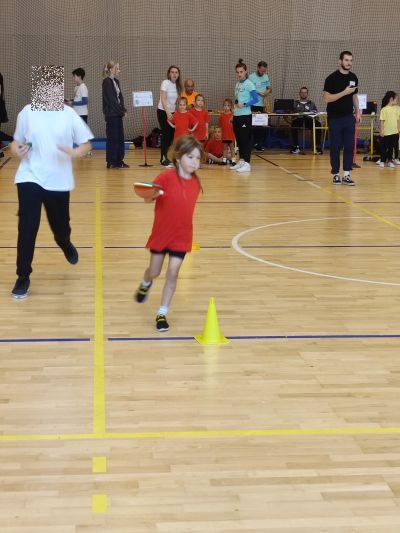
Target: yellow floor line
[
  {"x": 99, "y": 503},
  {"x": 99, "y": 418},
  {"x": 99, "y": 465},
  {"x": 217, "y": 433}
]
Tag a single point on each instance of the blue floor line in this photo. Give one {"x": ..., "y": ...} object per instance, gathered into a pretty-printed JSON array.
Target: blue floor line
[
  {"x": 60, "y": 339},
  {"x": 265, "y": 337}
]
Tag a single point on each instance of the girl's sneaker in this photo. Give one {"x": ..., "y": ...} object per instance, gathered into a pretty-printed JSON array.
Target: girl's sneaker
[
  {"x": 142, "y": 293},
  {"x": 391, "y": 164},
  {"x": 238, "y": 165},
  {"x": 396, "y": 161},
  {"x": 161, "y": 323},
  {"x": 381, "y": 165}
]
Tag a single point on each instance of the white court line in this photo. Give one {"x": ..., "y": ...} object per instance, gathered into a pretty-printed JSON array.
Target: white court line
[{"x": 236, "y": 246}]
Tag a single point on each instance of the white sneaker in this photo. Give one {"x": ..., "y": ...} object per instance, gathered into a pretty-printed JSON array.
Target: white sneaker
[
  {"x": 381, "y": 165},
  {"x": 378, "y": 162},
  {"x": 396, "y": 161},
  {"x": 391, "y": 165},
  {"x": 238, "y": 165},
  {"x": 244, "y": 168}
]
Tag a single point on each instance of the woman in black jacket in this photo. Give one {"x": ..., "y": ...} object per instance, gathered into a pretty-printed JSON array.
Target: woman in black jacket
[{"x": 114, "y": 111}]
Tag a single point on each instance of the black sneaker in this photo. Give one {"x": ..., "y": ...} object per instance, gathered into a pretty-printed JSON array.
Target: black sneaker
[
  {"x": 20, "y": 289},
  {"x": 142, "y": 293},
  {"x": 320, "y": 151},
  {"x": 123, "y": 165},
  {"x": 336, "y": 179},
  {"x": 165, "y": 162},
  {"x": 71, "y": 254},
  {"x": 347, "y": 180},
  {"x": 161, "y": 323},
  {"x": 295, "y": 150}
]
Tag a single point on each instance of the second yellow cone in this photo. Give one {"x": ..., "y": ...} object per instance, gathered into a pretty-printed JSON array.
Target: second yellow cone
[{"x": 211, "y": 332}]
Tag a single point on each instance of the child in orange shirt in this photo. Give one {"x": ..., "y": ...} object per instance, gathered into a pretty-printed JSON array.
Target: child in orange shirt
[
  {"x": 228, "y": 136},
  {"x": 182, "y": 120},
  {"x": 214, "y": 148},
  {"x": 201, "y": 115}
]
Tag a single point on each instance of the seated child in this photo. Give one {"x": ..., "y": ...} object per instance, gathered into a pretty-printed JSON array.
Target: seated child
[{"x": 214, "y": 147}]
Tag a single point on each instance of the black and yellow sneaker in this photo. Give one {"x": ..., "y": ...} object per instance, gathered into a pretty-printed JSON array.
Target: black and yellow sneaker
[
  {"x": 161, "y": 323},
  {"x": 142, "y": 293}
]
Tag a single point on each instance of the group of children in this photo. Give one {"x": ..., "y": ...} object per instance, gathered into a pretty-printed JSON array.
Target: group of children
[{"x": 194, "y": 120}]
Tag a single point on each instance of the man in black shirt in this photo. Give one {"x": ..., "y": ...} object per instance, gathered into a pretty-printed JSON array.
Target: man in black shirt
[{"x": 340, "y": 93}]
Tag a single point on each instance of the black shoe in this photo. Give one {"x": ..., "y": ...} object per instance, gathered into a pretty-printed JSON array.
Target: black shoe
[
  {"x": 295, "y": 150},
  {"x": 347, "y": 180},
  {"x": 161, "y": 323},
  {"x": 1, "y": 154},
  {"x": 124, "y": 165},
  {"x": 71, "y": 254},
  {"x": 336, "y": 179},
  {"x": 20, "y": 289},
  {"x": 165, "y": 162},
  {"x": 319, "y": 151},
  {"x": 142, "y": 293}
]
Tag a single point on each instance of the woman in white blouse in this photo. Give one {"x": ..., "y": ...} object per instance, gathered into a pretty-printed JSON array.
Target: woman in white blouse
[{"x": 170, "y": 89}]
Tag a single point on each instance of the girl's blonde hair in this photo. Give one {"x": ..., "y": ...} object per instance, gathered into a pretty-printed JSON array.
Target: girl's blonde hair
[
  {"x": 179, "y": 100},
  {"x": 185, "y": 145},
  {"x": 107, "y": 68}
]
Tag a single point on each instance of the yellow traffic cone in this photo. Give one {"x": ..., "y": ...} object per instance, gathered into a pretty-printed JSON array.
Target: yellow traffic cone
[
  {"x": 211, "y": 332},
  {"x": 195, "y": 246}
]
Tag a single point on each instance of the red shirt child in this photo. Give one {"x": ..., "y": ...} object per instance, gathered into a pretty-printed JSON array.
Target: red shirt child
[
  {"x": 182, "y": 120},
  {"x": 203, "y": 118},
  {"x": 173, "y": 213},
  {"x": 214, "y": 147},
  {"x": 225, "y": 121}
]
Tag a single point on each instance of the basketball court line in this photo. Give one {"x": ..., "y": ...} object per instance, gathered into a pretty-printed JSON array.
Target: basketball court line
[{"x": 99, "y": 421}]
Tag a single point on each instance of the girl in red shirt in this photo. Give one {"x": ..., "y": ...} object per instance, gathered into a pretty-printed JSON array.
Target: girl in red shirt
[
  {"x": 228, "y": 135},
  {"x": 214, "y": 147},
  {"x": 172, "y": 231},
  {"x": 202, "y": 117},
  {"x": 182, "y": 120}
]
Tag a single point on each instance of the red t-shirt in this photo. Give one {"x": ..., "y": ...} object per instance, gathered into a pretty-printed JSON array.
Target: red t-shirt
[
  {"x": 182, "y": 122},
  {"x": 227, "y": 128},
  {"x": 173, "y": 213},
  {"x": 202, "y": 117},
  {"x": 215, "y": 147}
]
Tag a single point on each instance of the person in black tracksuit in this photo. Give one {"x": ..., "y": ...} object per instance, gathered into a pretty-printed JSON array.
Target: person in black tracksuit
[
  {"x": 114, "y": 111},
  {"x": 3, "y": 115}
]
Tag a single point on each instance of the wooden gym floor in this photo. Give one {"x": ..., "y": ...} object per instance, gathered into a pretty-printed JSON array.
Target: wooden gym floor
[{"x": 108, "y": 426}]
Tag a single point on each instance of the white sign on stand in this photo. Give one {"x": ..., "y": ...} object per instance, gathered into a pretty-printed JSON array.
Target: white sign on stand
[
  {"x": 259, "y": 119},
  {"x": 362, "y": 101},
  {"x": 142, "y": 99}
]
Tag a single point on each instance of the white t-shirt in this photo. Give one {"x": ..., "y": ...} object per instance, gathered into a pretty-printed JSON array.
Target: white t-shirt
[
  {"x": 80, "y": 91},
  {"x": 45, "y": 164},
  {"x": 172, "y": 96}
]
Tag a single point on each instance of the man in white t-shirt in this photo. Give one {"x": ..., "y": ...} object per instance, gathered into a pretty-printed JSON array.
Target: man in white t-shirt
[{"x": 43, "y": 141}]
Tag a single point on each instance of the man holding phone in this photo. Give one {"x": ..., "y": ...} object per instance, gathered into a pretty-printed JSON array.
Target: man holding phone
[{"x": 340, "y": 94}]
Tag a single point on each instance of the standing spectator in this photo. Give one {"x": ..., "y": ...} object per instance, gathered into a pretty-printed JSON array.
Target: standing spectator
[
  {"x": 263, "y": 87},
  {"x": 245, "y": 97},
  {"x": 189, "y": 93},
  {"x": 201, "y": 115},
  {"x": 3, "y": 115},
  {"x": 81, "y": 94},
  {"x": 340, "y": 93},
  {"x": 389, "y": 130},
  {"x": 228, "y": 136},
  {"x": 114, "y": 111},
  {"x": 170, "y": 89}
]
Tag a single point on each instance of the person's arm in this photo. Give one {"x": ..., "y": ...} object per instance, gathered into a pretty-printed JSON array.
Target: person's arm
[
  {"x": 206, "y": 130},
  {"x": 253, "y": 100},
  {"x": 83, "y": 101},
  {"x": 19, "y": 149},
  {"x": 381, "y": 128},
  {"x": 110, "y": 96},
  {"x": 329, "y": 97},
  {"x": 79, "y": 151},
  {"x": 164, "y": 103},
  {"x": 1, "y": 87},
  {"x": 194, "y": 127},
  {"x": 356, "y": 105}
]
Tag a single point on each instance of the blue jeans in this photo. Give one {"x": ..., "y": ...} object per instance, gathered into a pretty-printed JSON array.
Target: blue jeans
[
  {"x": 341, "y": 132},
  {"x": 115, "y": 147}
]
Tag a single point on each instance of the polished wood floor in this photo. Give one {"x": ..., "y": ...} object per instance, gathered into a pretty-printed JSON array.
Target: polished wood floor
[{"x": 108, "y": 426}]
